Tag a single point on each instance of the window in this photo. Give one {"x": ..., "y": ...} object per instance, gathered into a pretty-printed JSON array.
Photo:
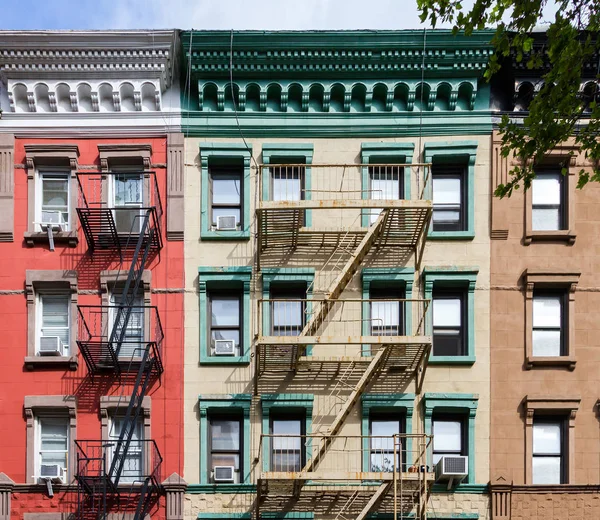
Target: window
[
  {"x": 128, "y": 201},
  {"x": 548, "y": 465},
  {"x": 225, "y": 449},
  {"x": 288, "y": 442},
  {"x": 449, "y": 437},
  {"x": 549, "y": 322},
  {"x": 385, "y": 182},
  {"x": 547, "y": 199},
  {"x": 55, "y": 324},
  {"x": 382, "y": 428},
  {"x": 448, "y": 322},
  {"x": 387, "y": 316},
  {"x": 226, "y": 198},
  {"x": 287, "y": 183},
  {"x": 133, "y": 467},
  {"x": 133, "y": 336},
  {"x": 225, "y": 319},
  {"x": 53, "y": 445},
  {"x": 448, "y": 198},
  {"x": 55, "y": 197},
  {"x": 288, "y": 310}
]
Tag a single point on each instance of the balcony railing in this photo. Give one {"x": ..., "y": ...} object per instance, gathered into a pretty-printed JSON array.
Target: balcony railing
[
  {"x": 99, "y": 336},
  {"x": 337, "y": 203},
  {"x": 142, "y": 462}
]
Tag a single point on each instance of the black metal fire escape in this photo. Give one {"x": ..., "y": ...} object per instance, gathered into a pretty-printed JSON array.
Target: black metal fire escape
[{"x": 130, "y": 233}]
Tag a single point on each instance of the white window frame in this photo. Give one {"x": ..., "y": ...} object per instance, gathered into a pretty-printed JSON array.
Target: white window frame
[
  {"x": 112, "y": 311},
  {"x": 563, "y": 450},
  {"x": 113, "y": 436},
  {"x": 112, "y": 192},
  {"x": 38, "y": 442},
  {"x": 39, "y": 193},
  {"x": 561, "y": 204},
  {"x": 40, "y": 319}
]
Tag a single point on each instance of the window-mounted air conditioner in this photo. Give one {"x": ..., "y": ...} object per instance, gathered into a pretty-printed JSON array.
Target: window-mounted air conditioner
[
  {"x": 51, "y": 346},
  {"x": 452, "y": 469},
  {"x": 224, "y": 473},
  {"x": 224, "y": 347},
  {"x": 52, "y": 219},
  {"x": 226, "y": 223},
  {"x": 52, "y": 472}
]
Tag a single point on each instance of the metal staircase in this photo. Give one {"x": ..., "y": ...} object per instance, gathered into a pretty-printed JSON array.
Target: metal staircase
[{"x": 121, "y": 342}]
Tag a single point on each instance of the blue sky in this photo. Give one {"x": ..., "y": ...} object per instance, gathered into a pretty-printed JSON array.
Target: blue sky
[{"x": 212, "y": 14}]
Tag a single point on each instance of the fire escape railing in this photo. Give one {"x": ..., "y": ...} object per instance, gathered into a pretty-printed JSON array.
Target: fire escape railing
[{"x": 121, "y": 212}]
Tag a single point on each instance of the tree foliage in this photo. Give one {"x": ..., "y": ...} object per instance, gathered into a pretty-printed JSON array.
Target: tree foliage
[{"x": 569, "y": 53}]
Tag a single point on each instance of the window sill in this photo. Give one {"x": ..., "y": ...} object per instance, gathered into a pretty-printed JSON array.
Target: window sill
[
  {"x": 225, "y": 489},
  {"x": 216, "y": 360},
  {"x": 35, "y": 362},
  {"x": 547, "y": 361},
  {"x": 451, "y": 235},
  {"x": 452, "y": 360},
  {"x": 64, "y": 237},
  {"x": 476, "y": 489},
  {"x": 564, "y": 235},
  {"x": 225, "y": 235}
]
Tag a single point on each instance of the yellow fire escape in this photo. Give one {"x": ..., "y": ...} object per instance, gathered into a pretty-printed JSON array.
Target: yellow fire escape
[{"x": 356, "y": 220}]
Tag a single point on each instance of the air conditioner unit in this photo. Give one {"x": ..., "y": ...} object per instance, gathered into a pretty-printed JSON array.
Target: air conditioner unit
[
  {"x": 226, "y": 223},
  {"x": 52, "y": 219},
  {"x": 452, "y": 469},
  {"x": 224, "y": 347},
  {"x": 51, "y": 346},
  {"x": 224, "y": 473},
  {"x": 52, "y": 472}
]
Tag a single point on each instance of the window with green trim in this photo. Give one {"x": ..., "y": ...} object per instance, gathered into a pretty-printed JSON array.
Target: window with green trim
[
  {"x": 452, "y": 188},
  {"x": 225, "y": 169},
  {"x": 451, "y": 321},
  {"x": 224, "y": 314}
]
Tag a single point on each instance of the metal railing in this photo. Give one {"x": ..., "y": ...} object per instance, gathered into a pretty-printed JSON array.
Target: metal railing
[
  {"x": 347, "y": 457},
  {"x": 346, "y": 319},
  {"x": 143, "y": 461},
  {"x": 295, "y": 183}
]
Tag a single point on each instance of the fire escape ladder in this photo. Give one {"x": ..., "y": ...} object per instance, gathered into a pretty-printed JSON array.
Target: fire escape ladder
[
  {"x": 374, "y": 366},
  {"x": 374, "y": 500},
  {"x": 134, "y": 409}
]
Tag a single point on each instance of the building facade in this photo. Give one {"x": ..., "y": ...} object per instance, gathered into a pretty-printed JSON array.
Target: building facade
[
  {"x": 337, "y": 258},
  {"x": 92, "y": 262},
  {"x": 544, "y": 377}
]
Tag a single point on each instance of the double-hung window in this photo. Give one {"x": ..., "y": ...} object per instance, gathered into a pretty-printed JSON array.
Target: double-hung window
[
  {"x": 288, "y": 310},
  {"x": 53, "y": 446},
  {"x": 226, "y": 198},
  {"x": 385, "y": 183},
  {"x": 287, "y": 183},
  {"x": 133, "y": 335},
  {"x": 225, "y": 449},
  {"x": 449, "y": 323},
  {"x": 449, "y": 200},
  {"x": 133, "y": 465},
  {"x": 548, "y": 464},
  {"x": 548, "y": 201},
  {"x": 288, "y": 452},
  {"x": 55, "y": 197},
  {"x": 128, "y": 189},
  {"x": 449, "y": 437},
  {"x": 387, "y": 312},
  {"x": 382, "y": 428},
  {"x": 549, "y": 323},
  {"x": 54, "y": 331},
  {"x": 225, "y": 317}
]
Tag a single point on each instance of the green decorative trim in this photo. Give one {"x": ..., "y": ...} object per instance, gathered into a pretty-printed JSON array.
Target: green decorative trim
[
  {"x": 372, "y": 153},
  {"x": 403, "y": 276},
  {"x": 224, "y": 277},
  {"x": 292, "y": 152},
  {"x": 453, "y": 403},
  {"x": 222, "y": 489},
  {"x": 461, "y": 152},
  {"x": 310, "y": 125},
  {"x": 454, "y": 276},
  {"x": 290, "y": 515},
  {"x": 385, "y": 403},
  {"x": 233, "y": 402},
  {"x": 224, "y": 153},
  {"x": 430, "y": 516},
  {"x": 224, "y": 516},
  {"x": 284, "y": 402},
  {"x": 470, "y": 489}
]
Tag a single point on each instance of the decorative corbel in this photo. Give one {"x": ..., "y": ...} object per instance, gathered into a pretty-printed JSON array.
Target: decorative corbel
[
  {"x": 284, "y": 101},
  {"x": 73, "y": 100},
  {"x": 347, "y": 101},
  {"x": 116, "y": 101},
  {"x": 157, "y": 99},
  {"x": 241, "y": 101},
  {"x": 262, "y": 101},
  {"x": 326, "y": 101},
  {"x": 200, "y": 100},
  {"x": 137, "y": 100},
  {"x": 146, "y": 161},
  {"x": 453, "y": 100},
  {"x": 473, "y": 97},
  {"x": 220, "y": 100},
  {"x": 389, "y": 100},
  {"x": 410, "y": 100},
  {"x": 431, "y": 99},
  {"x": 104, "y": 164},
  {"x": 11, "y": 101},
  {"x": 52, "y": 101},
  {"x": 31, "y": 102},
  {"x": 95, "y": 104},
  {"x": 368, "y": 100},
  {"x": 305, "y": 98}
]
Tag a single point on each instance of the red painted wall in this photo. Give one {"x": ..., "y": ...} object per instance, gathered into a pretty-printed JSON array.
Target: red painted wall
[{"x": 17, "y": 382}]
